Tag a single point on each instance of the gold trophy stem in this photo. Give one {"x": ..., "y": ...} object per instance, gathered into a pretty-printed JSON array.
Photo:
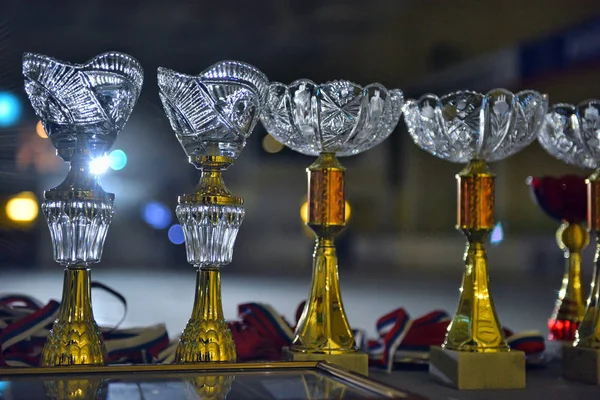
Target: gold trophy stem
[
  {"x": 569, "y": 309},
  {"x": 75, "y": 338},
  {"x": 323, "y": 326},
  {"x": 475, "y": 327},
  {"x": 588, "y": 334},
  {"x": 206, "y": 337}
]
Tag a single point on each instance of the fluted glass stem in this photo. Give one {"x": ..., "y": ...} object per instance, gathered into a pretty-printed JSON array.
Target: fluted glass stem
[
  {"x": 475, "y": 326},
  {"x": 588, "y": 334},
  {"x": 323, "y": 326},
  {"x": 75, "y": 337}
]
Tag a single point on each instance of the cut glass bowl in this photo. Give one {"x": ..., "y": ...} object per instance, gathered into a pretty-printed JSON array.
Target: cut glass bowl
[
  {"x": 83, "y": 107},
  {"x": 572, "y": 133},
  {"x": 335, "y": 117},
  {"x": 465, "y": 125},
  {"x": 213, "y": 113}
]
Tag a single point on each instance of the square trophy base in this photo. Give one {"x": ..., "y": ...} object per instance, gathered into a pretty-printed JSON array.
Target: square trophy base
[
  {"x": 581, "y": 364},
  {"x": 356, "y": 362},
  {"x": 466, "y": 370}
]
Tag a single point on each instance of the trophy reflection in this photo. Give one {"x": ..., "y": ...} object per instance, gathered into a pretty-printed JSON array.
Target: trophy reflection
[
  {"x": 329, "y": 120},
  {"x": 472, "y": 128},
  {"x": 212, "y": 115},
  {"x": 76, "y": 389},
  {"x": 210, "y": 387},
  {"x": 82, "y": 107},
  {"x": 564, "y": 199},
  {"x": 571, "y": 135}
]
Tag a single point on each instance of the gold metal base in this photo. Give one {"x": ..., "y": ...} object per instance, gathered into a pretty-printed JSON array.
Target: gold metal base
[
  {"x": 75, "y": 338},
  {"x": 207, "y": 337},
  {"x": 581, "y": 364},
  {"x": 470, "y": 370},
  {"x": 356, "y": 361}
]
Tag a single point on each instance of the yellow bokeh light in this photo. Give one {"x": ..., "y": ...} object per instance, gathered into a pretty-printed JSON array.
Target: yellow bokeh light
[
  {"x": 23, "y": 207},
  {"x": 304, "y": 212},
  {"x": 41, "y": 132},
  {"x": 270, "y": 145}
]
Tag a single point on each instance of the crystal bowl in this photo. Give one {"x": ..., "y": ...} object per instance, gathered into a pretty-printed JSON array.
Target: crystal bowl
[
  {"x": 213, "y": 113},
  {"x": 83, "y": 107},
  {"x": 572, "y": 133},
  {"x": 335, "y": 117},
  {"x": 465, "y": 125}
]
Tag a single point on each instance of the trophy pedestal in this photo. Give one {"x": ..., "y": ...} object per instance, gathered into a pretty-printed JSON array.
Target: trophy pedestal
[
  {"x": 470, "y": 370},
  {"x": 581, "y": 364},
  {"x": 356, "y": 362}
]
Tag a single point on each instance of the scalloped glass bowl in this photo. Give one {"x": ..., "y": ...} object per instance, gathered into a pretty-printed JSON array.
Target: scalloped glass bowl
[
  {"x": 466, "y": 125},
  {"x": 83, "y": 106},
  {"x": 572, "y": 133},
  {"x": 339, "y": 117},
  {"x": 214, "y": 112}
]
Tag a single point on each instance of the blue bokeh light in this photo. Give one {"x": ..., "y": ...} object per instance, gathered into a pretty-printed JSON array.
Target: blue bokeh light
[
  {"x": 10, "y": 109},
  {"x": 497, "y": 235},
  {"x": 118, "y": 160},
  {"x": 157, "y": 215},
  {"x": 176, "y": 234}
]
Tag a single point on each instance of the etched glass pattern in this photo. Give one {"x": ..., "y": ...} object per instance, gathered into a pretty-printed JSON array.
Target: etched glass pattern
[
  {"x": 83, "y": 106},
  {"x": 209, "y": 232},
  {"x": 464, "y": 126},
  {"x": 214, "y": 112},
  {"x": 78, "y": 229},
  {"x": 338, "y": 117},
  {"x": 571, "y": 133}
]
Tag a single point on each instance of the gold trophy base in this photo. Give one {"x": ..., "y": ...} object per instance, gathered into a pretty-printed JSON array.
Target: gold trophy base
[
  {"x": 581, "y": 364},
  {"x": 472, "y": 371},
  {"x": 355, "y": 362}
]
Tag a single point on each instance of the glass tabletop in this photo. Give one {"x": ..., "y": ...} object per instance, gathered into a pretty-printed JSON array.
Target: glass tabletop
[{"x": 320, "y": 382}]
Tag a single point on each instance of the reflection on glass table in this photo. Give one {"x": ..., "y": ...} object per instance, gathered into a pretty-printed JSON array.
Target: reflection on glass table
[{"x": 258, "y": 381}]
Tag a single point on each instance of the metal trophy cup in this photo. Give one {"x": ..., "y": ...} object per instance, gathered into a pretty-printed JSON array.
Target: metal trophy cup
[
  {"x": 474, "y": 129},
  {"x": 565, "y": 200},
  {"x": 571, "y": 135},
  {"x": 82, "y": 107},
  {"x": 212, "y": 114},
  {"x": 332, "y": 119}
]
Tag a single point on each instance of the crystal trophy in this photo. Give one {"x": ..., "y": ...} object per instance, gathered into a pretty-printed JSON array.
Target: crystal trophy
[
  {"x": 571, "y": 134},
  {"x": 212, "y": 115},
  {"x": 472, "y": 128},
  {"x": 82, "y": 107},
  {"x": 333, "y": 119},
  {"x": 565, "y": 200}
]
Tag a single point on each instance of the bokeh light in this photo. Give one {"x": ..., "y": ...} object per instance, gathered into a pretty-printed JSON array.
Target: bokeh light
[
  {"x": 10, "y": 109},
  {"x": 118, "y": 160},
  {"x": 157, "y": 215},
  {"x": 497, "y": 235},
  {"x": 41, "y": 132},
  {"x": 23, "y": 207},
  {"x": 176, "y": 234},
  {"x": 100, "y": 165},
  {"x": 270, "y": 145}
]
